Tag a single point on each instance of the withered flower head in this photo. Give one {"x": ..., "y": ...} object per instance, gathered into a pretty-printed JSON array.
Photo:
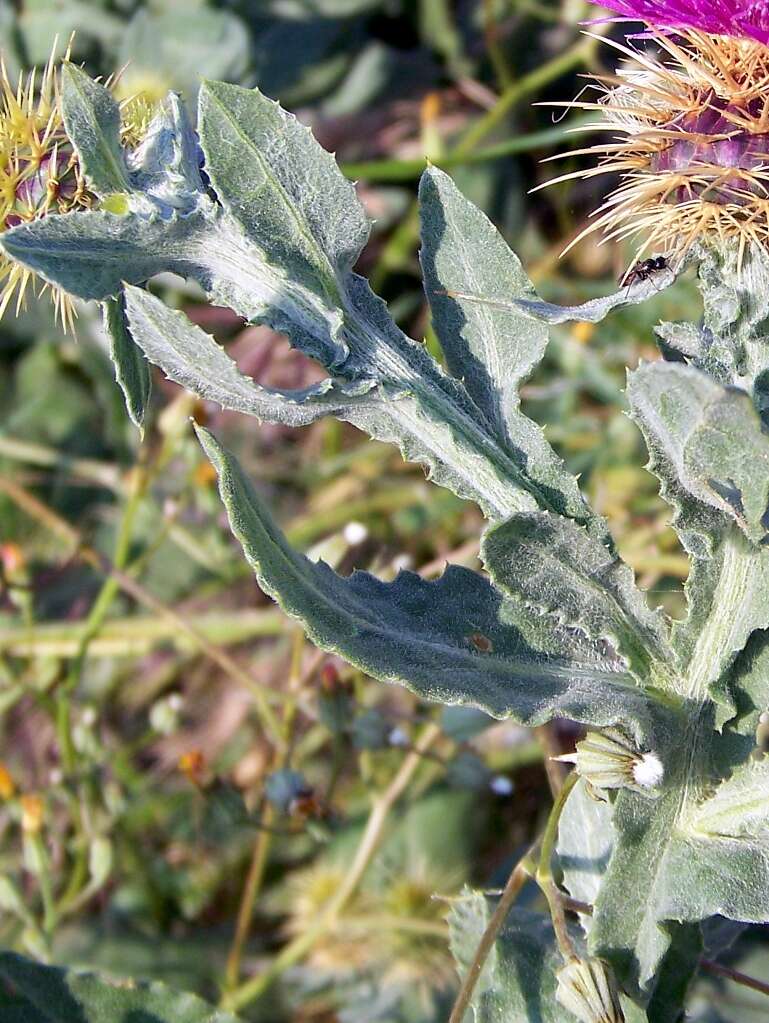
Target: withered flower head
[
  {"x": 609, "y": 760},
  {"x": 586, "y": 987},
  {"x": 686, "y": 118}
]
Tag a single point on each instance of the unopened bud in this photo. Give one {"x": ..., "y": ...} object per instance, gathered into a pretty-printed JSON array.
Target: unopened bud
[
  {"x": 586, "y": 987},
  {"x": 608, "y": 760}
]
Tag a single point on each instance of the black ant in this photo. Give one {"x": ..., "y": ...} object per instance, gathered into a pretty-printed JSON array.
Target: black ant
[{"x": 645, "y": 270}]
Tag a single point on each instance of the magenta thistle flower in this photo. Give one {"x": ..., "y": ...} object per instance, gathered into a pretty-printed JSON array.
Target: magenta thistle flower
[{"x": 719, "y": 17}]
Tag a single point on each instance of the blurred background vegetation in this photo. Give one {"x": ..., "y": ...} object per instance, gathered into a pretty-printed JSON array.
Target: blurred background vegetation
[{"x": 186, "y": 785}]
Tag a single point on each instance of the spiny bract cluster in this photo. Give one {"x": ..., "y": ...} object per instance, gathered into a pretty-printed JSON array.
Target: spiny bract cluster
[
  {"x": 40, "y": 172},
  {"x": 688, "y": 130}
]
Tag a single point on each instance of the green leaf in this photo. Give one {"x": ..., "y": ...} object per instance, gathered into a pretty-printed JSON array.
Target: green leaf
[
  {"x": 584, "y": 844},
  {"x": 728, "y": 596},
  {"x": 676, "y": 974},
  {"x": 286, "y": 192},
  {"x": 91, "y": 254},
  {"x": 710, "y": 437},
  {"x": 519, "y": 975},
  {"x": 275, "y": 259},
  {"x": 750, "y": 685},
  {"x": 51, "y": 995},
  {"x": 518, "y": 982},
  {"x": 663, "y": 868},
  {"x": 556, "y": 567},
  {"x": 453, "y": 640},
  {"x": 92, "y": 122},
  {"x": 490, "y": 350},
  {"x": 593, "y": 311},
  {"x": 164, "y": 172},
  {"x": 739, "y": 808},
  {"x": 433, "y": 419},
  {"x": 428, "y": 414},
  {"x": 131, "y": 368},
  {"x": 193, "y": 359}
]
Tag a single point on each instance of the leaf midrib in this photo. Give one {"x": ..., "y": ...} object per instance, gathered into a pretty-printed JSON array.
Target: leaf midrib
[{"x": 288, "y": 206}]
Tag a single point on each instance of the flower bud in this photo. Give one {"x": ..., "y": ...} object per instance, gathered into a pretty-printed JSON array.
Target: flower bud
[
  {"x": 586, "y": 987},
  {"x": 608, "y": 760}
]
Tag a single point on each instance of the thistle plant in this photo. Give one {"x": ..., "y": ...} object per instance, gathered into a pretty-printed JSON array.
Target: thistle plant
[
  {"x": 247, "y": 205},
  {"x": 41, "y": 173}
]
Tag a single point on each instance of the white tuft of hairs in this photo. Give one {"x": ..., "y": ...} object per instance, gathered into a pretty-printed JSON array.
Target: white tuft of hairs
[{"x": 648, "y": 771}]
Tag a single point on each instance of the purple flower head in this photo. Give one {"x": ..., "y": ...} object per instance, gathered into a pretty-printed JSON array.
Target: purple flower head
[{"x": 735, "y": 18}]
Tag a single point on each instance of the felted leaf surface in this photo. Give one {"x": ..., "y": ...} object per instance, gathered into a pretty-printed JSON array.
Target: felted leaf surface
[
  {"x": 282, "y": 256},
  {"x": 584, "y": 844},
  {"x": 193, "y": 359},
  {"x": 92, "y": 121},
  {"x": 728, "y": 597},
  {"x": 710, "y": 437},
  {"x": 450, "y": 640},
  {"x": 739, "y": 808},
  {"x": 518, "y": 983},
  {"x": 593, "y": 311},
  {"x": 131, "y": 368},
  {"x": 281, "y": 186},
  {"x": 491, "y": 350},
  {"x": 750, "y": 685},
  {"x": 45, "y": 994},
  {"x": 415, "y": 405},
  {"x": 555, "y": 566},
  {"x": 664, "y": 868}
]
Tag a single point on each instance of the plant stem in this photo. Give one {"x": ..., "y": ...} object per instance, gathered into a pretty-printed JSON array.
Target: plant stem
[
  {"x": 250, "y": 891},
  {"x": 526, "y": 86},
  {"x": 521, "y": 872},
  {"x": 545, "y": 871},
  {"x": 138, "y": 635},
  {"x": 734, "y": 975},
  {"x": 369, "y": 843},
  {"x": 494, "y": 50},
  {"x": 408, "y": 170}
]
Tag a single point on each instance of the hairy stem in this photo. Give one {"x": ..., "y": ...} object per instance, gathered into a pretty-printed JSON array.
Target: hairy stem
[
  {"x": 522, "y": 871},
  {"x": 545, "y": 870}
]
